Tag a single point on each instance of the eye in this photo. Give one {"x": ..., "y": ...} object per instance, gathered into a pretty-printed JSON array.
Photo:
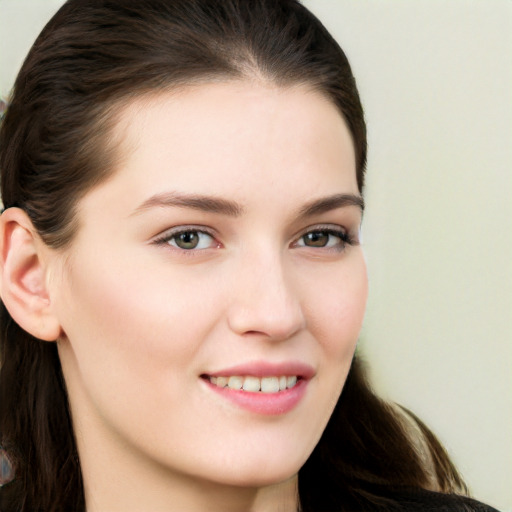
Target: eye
[
  {"x": 188, "y": 239},
  {"x": 324, "y": 239}
]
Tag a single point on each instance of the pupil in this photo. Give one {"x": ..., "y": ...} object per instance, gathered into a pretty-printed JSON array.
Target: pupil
[
  {"x": 317, "y": 239},
  {"x": 188, "y": 240}
]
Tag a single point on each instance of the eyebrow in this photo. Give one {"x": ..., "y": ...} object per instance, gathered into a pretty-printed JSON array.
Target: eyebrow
[
  {"x": 194, "y": 201},
  {"x": 221, "y": 206},
  {"x": 326, "y": 204}
]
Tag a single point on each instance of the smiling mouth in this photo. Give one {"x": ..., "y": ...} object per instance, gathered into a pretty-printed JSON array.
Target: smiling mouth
[{"x": 253, "y": 384}]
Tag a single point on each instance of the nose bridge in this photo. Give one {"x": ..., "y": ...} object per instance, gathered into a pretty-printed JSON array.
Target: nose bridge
[{"x": 265, "y": 300}]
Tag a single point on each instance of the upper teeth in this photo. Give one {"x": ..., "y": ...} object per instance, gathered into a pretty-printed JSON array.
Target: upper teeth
[{"x": 255, "y": 384}]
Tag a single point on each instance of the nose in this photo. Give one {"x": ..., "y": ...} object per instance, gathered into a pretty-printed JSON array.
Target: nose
[{"x": 265, "y": 302}]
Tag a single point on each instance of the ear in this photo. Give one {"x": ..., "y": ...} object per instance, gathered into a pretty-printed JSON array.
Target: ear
[{"x": 23, "y": 276}]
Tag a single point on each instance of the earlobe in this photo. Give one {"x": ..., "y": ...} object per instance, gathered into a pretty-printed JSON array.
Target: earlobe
[{"x": 23, "y": 284}]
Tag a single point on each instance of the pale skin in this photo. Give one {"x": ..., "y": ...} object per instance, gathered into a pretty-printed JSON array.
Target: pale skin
[{"x": 140, "y": 316}]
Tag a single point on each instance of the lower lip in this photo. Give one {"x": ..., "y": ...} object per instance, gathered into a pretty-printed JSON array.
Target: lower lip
[{"x": 271, "y": 404}]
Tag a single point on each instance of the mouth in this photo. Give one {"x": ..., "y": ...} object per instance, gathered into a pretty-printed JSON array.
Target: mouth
[
  {"x": 252, "y": 384},
  {"x": 260, "y": 387}
]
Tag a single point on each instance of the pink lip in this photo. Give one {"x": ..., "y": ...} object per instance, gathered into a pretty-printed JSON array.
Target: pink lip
[
  {"x": 266, "y": 369},
  {"x": 265, "y": 403}
]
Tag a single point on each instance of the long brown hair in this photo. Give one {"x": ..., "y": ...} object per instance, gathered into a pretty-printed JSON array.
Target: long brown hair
[{"x": 91, "y": 58}]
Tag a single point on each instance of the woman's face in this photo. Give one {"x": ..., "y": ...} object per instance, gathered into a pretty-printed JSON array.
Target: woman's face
[{"x": 223, "y": 251}]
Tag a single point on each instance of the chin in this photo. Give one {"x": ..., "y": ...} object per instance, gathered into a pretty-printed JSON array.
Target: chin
[
  {"x": 264, "y": 477},
  {"x": 260, "y": 473}
]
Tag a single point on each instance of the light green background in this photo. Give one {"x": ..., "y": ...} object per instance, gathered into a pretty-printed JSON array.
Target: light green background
[{"x": 436, "y": 81}]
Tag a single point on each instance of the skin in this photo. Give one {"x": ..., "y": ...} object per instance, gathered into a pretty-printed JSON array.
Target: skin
[{"x": 142, "y": 319}]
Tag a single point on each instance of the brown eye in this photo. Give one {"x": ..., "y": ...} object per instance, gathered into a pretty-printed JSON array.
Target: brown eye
[
  {"x": 188, "y": 240},
  {"x": 324, "y": 239},
  {"x": 316, "y": 239}
]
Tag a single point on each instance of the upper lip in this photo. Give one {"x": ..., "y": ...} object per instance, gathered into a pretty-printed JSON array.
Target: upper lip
[{"x": 267, "y": 369}]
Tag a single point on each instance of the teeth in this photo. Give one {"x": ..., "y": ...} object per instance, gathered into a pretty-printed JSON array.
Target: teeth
[
  {"x": 269, "y": 385},
  {"x": 251, "y": 384},
  {"x": 235, "y": 382},
  {"x": 222, "y": 382},
  {"x": 255, "y": 384}
]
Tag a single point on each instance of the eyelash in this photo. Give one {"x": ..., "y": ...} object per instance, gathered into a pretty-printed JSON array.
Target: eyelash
[
  {"x": 168, "y": 236},
  {"x": 345, "y": 238}
]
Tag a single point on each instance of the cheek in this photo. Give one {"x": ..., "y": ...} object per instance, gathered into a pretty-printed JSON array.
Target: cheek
[
  {"x": 129, "y": 327},
  {"x": 132, "y": 344},
  {"x": 335, "y": 312},
  {"x": 337, "y": 308}
]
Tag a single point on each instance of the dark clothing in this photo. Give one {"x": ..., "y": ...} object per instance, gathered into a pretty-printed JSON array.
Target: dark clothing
[{"x": 426, "y": 501}]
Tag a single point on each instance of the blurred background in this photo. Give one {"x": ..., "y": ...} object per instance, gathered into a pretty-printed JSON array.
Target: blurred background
[{"x": 435, "y": 79}]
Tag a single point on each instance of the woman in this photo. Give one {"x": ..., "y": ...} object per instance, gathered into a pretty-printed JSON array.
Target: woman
[{"x": 182, "y": 280}]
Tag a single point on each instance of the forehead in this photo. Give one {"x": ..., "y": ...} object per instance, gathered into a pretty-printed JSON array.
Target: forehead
[{"x": 234, "y": 138}]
